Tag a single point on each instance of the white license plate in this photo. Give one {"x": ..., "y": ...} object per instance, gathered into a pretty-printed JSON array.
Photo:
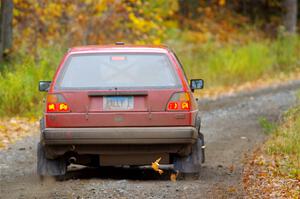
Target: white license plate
[{"x": 116, "y": 103}]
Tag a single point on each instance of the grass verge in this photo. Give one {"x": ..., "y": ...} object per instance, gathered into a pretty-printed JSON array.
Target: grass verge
[
  {"x": 19, "y": 79},
  {"x": 235, "y": 64},
  {"x": 274, "y": 171}
]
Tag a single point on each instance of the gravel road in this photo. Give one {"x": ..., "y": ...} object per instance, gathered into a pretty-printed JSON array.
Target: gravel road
[{"x": 231, "y": 129}]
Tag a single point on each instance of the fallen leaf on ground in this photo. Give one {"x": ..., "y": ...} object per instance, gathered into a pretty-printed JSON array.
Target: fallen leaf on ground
[{"x": 13, "y": 129}]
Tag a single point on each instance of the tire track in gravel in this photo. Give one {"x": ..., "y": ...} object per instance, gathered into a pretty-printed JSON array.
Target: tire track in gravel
[{"x": 231, "y": 129}]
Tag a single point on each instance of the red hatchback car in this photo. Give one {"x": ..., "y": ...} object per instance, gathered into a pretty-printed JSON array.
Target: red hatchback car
[{"x": 120, "y": 105}]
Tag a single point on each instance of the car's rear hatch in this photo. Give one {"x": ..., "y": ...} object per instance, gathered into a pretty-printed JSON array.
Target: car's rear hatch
[{"x": 111, "y": 90}]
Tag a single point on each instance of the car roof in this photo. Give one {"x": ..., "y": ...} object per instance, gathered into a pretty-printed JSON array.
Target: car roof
[{"x": 120, "y": 48}]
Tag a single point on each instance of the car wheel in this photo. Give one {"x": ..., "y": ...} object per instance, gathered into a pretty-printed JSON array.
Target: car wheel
[
  {"x": 189, "y": 166},
  {"x": 47, "y": 167}
]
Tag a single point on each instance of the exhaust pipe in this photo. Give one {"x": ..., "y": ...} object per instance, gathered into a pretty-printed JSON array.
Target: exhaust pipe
[{"x": 72, "y": 160}]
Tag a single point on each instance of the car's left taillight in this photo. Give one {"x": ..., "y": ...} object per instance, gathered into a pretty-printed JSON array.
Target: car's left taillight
[
  {"x": 56, "y": 103},
  {"x": 180, "y": 101}
]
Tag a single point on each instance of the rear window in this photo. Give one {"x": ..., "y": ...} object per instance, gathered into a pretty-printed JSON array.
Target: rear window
[{"x": 110, "y": 71}]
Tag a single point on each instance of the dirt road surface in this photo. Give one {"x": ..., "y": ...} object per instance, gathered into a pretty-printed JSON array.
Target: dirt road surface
[{"x": 231, "y": 129}]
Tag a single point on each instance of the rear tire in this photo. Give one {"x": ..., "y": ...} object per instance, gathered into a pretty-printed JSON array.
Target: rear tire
[
  {"x": 47, "y": 167},
  {"x": 189, "y": 167}
]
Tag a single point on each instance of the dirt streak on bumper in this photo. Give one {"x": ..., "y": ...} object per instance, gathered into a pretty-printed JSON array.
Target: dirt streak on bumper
[{"x": 126, "y": 135}]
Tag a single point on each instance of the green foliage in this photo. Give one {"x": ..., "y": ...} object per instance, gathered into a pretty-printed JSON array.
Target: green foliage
[
  {"x": 285, "y": 144},
  {"x": 84, "y": 22},
  {"x": 232, "y": 64},
  {"x": 19, "y": 93},
  {"x": 286, "y": 52},
  {"x": 267, "y": 126}
]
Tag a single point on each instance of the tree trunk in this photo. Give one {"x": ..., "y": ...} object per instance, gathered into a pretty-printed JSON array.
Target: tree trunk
[
  {"x": 290, "y": 15},
  {"x": 6, "y": 16},
  {"x": 189, "y": 9}
]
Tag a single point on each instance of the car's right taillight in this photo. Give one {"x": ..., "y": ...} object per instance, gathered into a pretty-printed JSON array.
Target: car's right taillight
[
  {"x": 56, "y": 103},
  {"x": 180, "y": 101}
]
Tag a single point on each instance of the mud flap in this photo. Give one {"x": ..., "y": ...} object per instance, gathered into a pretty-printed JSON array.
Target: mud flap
[
  {"x": 47, "y": 167},
  {"x": 201, "y": 137},
  {"x": 192, "y": 162}
]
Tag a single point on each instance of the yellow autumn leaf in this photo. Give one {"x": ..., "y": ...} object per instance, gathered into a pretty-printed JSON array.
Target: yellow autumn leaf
[
  {"x": 155, "y": 166},
  {"x": 222, "y": 2},
  {"x": 156, "y": 41},
  {"x": 173, "y": 177},
  {"x": 2, "y": 128}
]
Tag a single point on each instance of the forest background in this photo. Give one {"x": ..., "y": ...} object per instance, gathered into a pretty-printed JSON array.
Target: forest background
[{"x": 231, "y": 44}]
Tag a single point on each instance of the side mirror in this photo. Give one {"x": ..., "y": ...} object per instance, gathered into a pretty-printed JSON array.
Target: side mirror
[
  {"x": 44, "y": 86},
  {"x": 196, "y": 84}
]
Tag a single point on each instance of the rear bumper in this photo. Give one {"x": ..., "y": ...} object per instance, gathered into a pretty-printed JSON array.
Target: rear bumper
[{"x": 119, "y": 136}]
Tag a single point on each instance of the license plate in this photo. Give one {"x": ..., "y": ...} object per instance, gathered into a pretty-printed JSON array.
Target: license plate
[{"x": 116, "y": 103}]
